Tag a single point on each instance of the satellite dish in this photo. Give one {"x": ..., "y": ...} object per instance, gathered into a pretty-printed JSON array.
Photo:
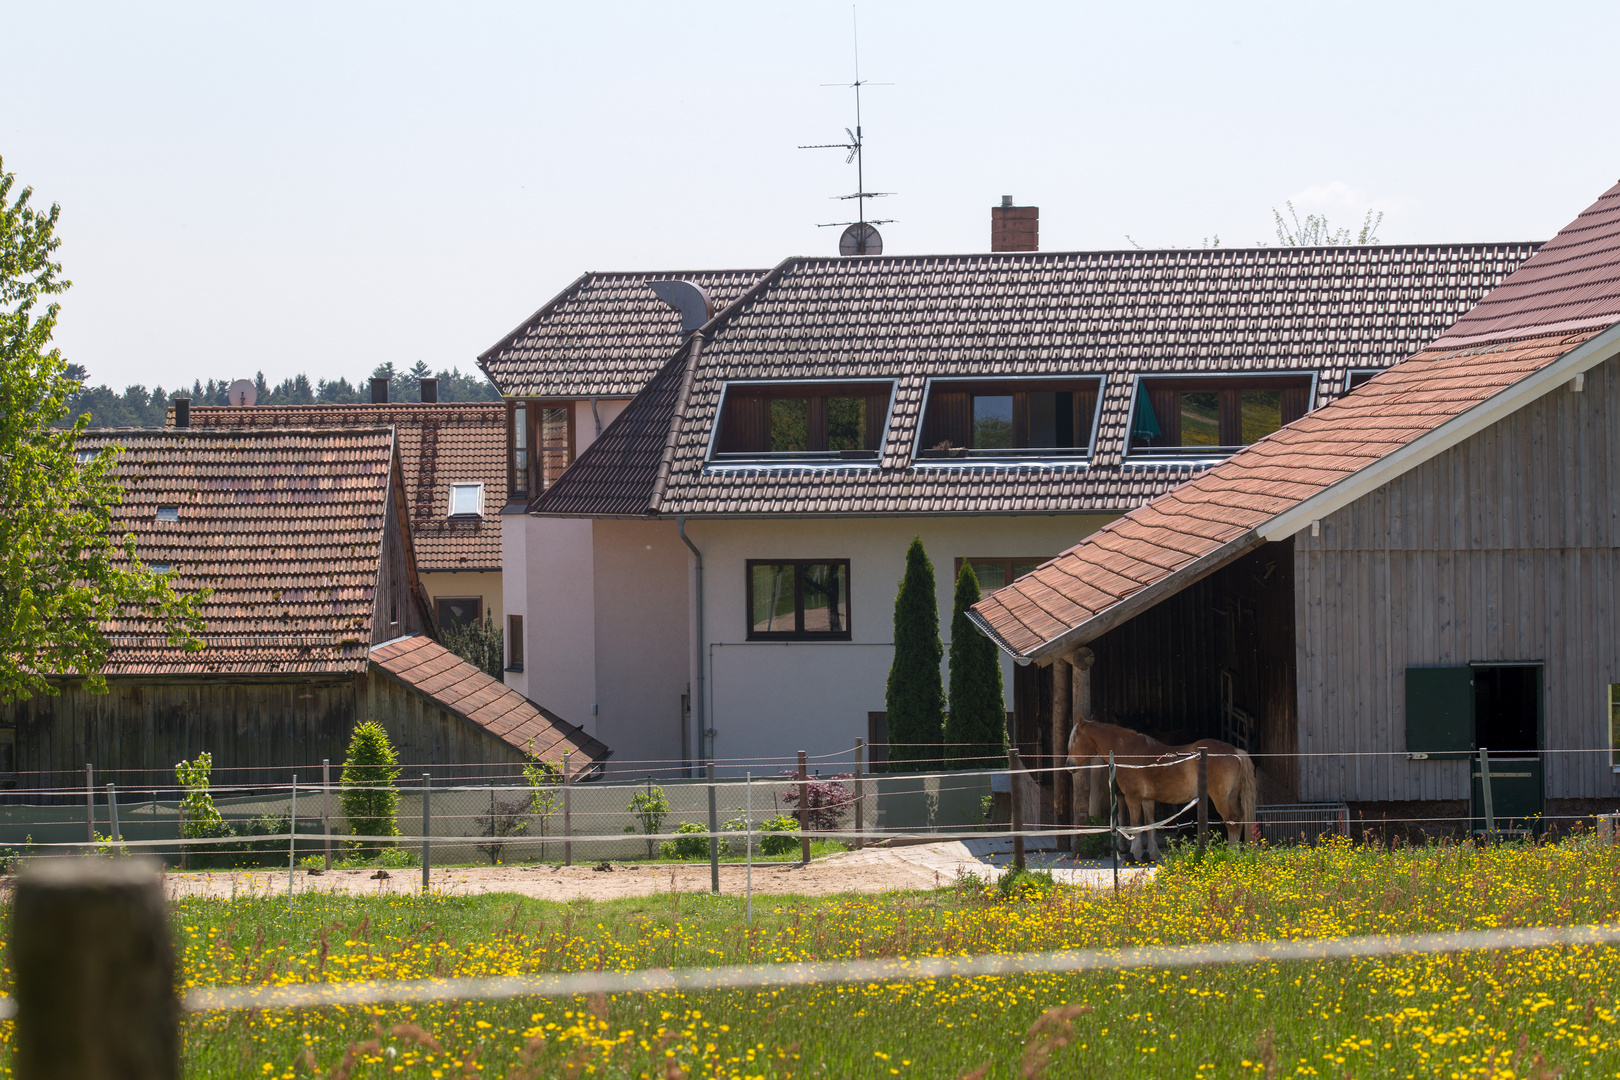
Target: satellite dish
[
  {"x": 860, "y": 239},
  {"x": 242, "y": 392}
]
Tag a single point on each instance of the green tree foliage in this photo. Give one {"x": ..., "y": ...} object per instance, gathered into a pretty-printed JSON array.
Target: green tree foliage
[
  {"x": 370, "y": 799},
  {"x": 651, "y": 807},
  {"x": 915, "y": 696},
  {"x": 978, "y": 712},
  {"x": 65, "y": 572},
  {"x": 1315, "y": 232},
  {"x": 198, "y": 815},
  {"x": 478, "y": 643}
]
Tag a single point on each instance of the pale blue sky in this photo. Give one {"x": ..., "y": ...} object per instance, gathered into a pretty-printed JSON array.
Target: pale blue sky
[{"x": 322, "y": 187}]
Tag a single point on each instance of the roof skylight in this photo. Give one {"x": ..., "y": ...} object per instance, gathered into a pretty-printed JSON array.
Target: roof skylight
[
  {"x": 168, "y": 513},
  {"x": 466, "y": 500}
]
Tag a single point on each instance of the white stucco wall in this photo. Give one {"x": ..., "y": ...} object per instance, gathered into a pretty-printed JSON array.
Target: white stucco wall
[
  {"x": 559, "y": 609},
  {"x": 768, "y": 700}
]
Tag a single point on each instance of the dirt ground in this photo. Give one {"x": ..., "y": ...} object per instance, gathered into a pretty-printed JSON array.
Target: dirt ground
[{"x": 924, "y": 866}]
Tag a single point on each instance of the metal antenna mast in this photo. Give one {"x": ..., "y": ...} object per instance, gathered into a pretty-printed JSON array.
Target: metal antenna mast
[{"x": 861, "y": 237}]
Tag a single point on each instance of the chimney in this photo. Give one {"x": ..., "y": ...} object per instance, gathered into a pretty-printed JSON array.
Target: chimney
[
  {"x": 430, "y": 391},
  {"x": 182, "y": 411},
  {"x": 1014, "y": 228},
  {"x": 379, "y": 391}
]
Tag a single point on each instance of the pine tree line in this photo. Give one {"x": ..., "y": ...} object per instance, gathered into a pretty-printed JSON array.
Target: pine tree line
[{"x": 139, "y": 407}]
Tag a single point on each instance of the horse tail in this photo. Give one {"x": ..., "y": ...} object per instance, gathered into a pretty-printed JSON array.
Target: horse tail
[{"x": 1246, "y": 794}]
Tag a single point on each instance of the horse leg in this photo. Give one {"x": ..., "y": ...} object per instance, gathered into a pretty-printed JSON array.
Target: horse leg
[
  {"x": 1150, "y": 808},
  {"x": 1134, "y": 807}
]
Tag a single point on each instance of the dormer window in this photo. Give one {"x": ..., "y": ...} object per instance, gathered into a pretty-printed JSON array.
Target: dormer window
[
  {"x": 467, "y": 500},
  {"x": 539, "y": 444},
  {"x": 1213, "y": 414},
  {"x": 168, "y": 513},
  {"x": 790, "y": 421},
  {"x": 1009, "y": 418}
]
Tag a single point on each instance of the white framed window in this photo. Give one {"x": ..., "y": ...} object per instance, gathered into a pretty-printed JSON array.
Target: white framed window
[
  {"x": 168, "y": 513},
  {"x": 160, "y": 567},
  {"x": 466, "y": 500}
]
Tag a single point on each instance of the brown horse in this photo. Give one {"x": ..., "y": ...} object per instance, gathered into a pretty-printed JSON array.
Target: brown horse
[{"x": 1148, "y": 772}]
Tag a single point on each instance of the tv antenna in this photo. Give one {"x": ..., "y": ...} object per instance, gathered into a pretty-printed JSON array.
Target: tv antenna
[{"x": 861, "y": 236}]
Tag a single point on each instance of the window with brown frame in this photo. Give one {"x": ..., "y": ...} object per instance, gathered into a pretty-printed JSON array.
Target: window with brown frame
[
  {"x": 798, "y": 599},
  {"x": 793, "y": 420},
  {"x": 1009, "y": 418},
  {"x": 994, "y": 574},
  {"x": 1214, "y": 413},
  {"x": 540, "y": 444}
]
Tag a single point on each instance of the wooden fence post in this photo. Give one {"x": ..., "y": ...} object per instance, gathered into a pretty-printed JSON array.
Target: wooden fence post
[
  {"x": 1485, "y": 794},
  {"x": 94, "y": 971},
  {"x": 1014, "y": 767},
  {"x": 427, "y": 828},
  {"x": 804, "y": 809},
  {"x": 90, "y": 802},
  {"x": 1113, "y": 820},
  {"x": 714, "y": 839},
  {"x": 1203, "y": 798},
  {"x": 112, "y": 813},
  {"x": 326, "y": 807}
]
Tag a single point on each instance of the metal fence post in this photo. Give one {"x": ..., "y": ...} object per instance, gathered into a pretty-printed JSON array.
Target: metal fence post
[
  {"x": 1203, "y": 797},
  {"x": 568, "y": 814},
  {"x": 1485, "y": 794},
  {"x": 112, "y": 812},
  {"x": 714, "y": 838},
  {"x": 94, "y": 972},
  {"x": 860, "y": 793},
  {"x": 1014, "y": 767},
  {"x": 804, "y": 809},
  {"x": 427, "y": 827},
  {"x": 1113, "y": 820},
  {"x": 292, "y": 839},
  {"x": 90, "y": 801},
  {"x": 326, "y": 807},
  {"x": 748, "y": 846}
]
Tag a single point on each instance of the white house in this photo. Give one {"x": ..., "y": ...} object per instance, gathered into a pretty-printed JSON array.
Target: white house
[{"x": 712, "y": 570}]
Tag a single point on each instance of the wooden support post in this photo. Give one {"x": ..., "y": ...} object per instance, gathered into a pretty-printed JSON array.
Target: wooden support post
[
  {"x": 860, "y": 793},
  {"x": 1485, "y": 793},
  {"x": 326, "y": 807},
  {"x": 94, "y": 972},
  {"x": 804, "y": 809},
  {"x": 1080, "y": 664},
  {"x": 1203, "y": 798},
  {"x": 1015, "y": 771},
  {"x": 112, "y": 812},
  {"x": 568, "y": 814},
  {"x": 1062, "y": 779},
  {"x": 714, "y": 838},
  {"x": 1113, "y": 820},
  {"x": 427, "y": 829}
]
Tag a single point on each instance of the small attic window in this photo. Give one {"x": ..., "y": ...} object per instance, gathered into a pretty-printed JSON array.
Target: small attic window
[
  {"x": 168, "y": 513},
  {"x": 84, "y": 457},
  {"x": 466, "y": 500},
  {"x": 160, "y": 567}
]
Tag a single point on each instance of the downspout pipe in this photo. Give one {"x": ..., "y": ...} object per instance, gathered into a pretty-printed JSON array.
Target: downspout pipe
[{"x": 705, "y": 751}]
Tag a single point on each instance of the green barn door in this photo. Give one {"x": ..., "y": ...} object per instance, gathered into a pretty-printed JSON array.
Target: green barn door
[
  {"x": 1439, "y": 712},
  {"x": 1450, "y": 711}
]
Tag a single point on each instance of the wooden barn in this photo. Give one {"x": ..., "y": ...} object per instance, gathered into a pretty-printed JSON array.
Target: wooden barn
[
  {"x": 316, "y": 621},
  {"x": 1370, "y": 596}
]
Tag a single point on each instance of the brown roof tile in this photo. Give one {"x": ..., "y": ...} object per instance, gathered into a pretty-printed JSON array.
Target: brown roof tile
[
  {"x": 439, "y": 445},
  {"x": 461, "y": 688}
]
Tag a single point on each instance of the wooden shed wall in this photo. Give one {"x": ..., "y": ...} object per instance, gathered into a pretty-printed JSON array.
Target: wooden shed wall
[
  {"x": 1500, "y": 549},
  {"x": 424, "y": 733}
]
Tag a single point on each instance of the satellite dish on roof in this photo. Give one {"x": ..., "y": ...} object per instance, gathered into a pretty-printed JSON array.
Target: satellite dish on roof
[
  {"x": 242, "y": 392},
  {"x": 860, "y": 239}
]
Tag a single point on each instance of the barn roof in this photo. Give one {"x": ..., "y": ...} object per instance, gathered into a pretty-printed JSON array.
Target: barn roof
[
  {"x": 430, "y": 669},
  {"x": 605, "y": 335},
  {"x": 1524, "y": 344},
  {"x": 284, "y": 526},
  {"x": 439, "y": 445},
  {"x": 1322, "y": 312}
]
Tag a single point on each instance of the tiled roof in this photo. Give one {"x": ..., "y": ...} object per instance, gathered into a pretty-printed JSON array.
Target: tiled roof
[
  {"x": 286, "y": 528},
  {"x": 605, "y": 335},
  {"x": 461, "y": 688},
  {"x": 1572, "y": 283},
  {"x": 1322, "y": 311},
  {"x": 1214, "y": 518},
  {"x": 439, "y": 445}
]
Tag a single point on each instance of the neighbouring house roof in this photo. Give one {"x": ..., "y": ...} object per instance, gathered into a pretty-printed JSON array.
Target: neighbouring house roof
[
  {"x": 439, "y": 444},
  {"x": 462, "y": 688},
  {"x": 603, "y": 336},
  {"x": 1321, "y": 311},
  {"x": 285, "y": 526},
  {"x": 1519, "y": 347}
]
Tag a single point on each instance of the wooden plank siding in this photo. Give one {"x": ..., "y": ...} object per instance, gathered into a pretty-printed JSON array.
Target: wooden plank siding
[{"x": 1501, "y": 549}]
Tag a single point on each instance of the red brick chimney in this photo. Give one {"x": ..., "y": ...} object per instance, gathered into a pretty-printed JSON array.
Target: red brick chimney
[{"x": 1014, "y": 228}]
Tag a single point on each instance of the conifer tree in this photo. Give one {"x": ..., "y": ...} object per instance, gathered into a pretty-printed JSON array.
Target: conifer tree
[
  {"x": 915, "y": 696},
  {"x": 370, "y": 799},
  {"x": 978, "y": 713}
]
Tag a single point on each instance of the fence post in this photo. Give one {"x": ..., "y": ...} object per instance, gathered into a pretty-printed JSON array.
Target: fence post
[
  {"x": 112, "y": 812},
  {"x": 568, "y": 814},
  {"x": 1113, "y": 820},
  {"x": 714, "y": 839},
  {"x": 292, "y": 838},
  {"x": 748, "y": 846},
  {"x": 804, "y": 809},
  {"x": 326, "y": 807},
  {"x": 427, "y": 827},
  {"x": 1203, "y": 797},
  {"x": 94, "y": 972},
  {"x": 90, "y": 801},
  {"x": 1014, "y": 767},
  {"x": 860, "y": 793},
  {"x": 1485, "y": 794}
]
